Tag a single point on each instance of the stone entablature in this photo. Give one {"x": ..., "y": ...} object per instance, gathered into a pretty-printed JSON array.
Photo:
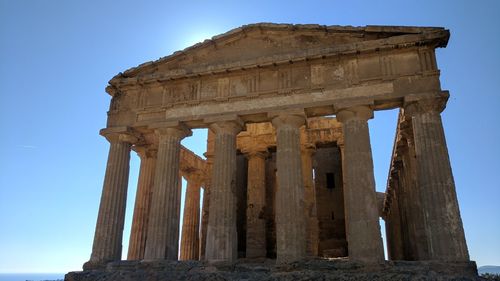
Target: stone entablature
[
  {"x": 262, "y": 136},
  {"x": 378, "y": 65}
]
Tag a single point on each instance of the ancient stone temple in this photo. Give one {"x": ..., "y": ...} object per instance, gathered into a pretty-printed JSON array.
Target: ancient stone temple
[{"x": 287, "y": 178}]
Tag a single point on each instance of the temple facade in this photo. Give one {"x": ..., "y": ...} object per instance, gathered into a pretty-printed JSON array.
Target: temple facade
[{"x": 288, "y": 170}]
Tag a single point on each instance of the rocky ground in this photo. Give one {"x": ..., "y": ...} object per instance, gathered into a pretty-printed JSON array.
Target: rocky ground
[{"x": 312, "y": 269}]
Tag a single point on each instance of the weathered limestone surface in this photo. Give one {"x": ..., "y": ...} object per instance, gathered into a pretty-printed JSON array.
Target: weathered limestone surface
[
  {"x": 363, "y": 228},
  {"x": 330, "y": 202},
  {"x": 241, "y": 203},
  {"x": 394, "y": 228},
  {"x": 108, "y": 236},
  {"x": 317, "y": 269},
  {"x": 310, "y": 201},
  {"x": 332, "y": 65},
  {"x": 137, "y": 243},
  {"x": 271, "y": 187},
  {"x": 191, "y": 222},
  {"x": 256, "y": 202},
  {"x": 163, "y": 227},
  {"x": 321, "y": 131},
  {"x": 221, "y": 230},
  {"x": 314, "y": 188},
  {"x": 402, "y": 197},
  {"x": 415, "y": 221},
  {"x": 290, "y": 217},
  {"x": 206, "y": 193},
  {"x": 443, "y": 225}
]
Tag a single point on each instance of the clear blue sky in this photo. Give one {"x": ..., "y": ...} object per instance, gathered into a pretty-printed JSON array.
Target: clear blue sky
[{"x": 57, "y": 56}]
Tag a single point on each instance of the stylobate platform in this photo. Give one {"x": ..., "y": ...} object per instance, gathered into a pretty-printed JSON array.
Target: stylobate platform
[{"x": 266, "y": 269}]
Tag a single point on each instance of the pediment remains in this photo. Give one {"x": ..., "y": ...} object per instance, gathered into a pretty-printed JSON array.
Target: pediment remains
[{"x": 259, "y": 68}]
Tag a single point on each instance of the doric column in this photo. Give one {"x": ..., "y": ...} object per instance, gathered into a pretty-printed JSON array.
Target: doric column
[
  {"x": 221, "y": 232},
  {"x": 401, "y": 191},
  {"x": 206, "y": 193},
  {"x": 393, "y": 224},
  {"x": 415, "y": 219},
  {"x": 290, "y": 217},
  {"x": 205, "y": 209},
  {"x": 360, "y": 200},
  {"x": 191, "y": 221},
  {"x": 407, "y": 185},
  {"x": 256, "y": 202},
  {"x": 137, "y": 242},
  {"x": 108, "y": 236},
  {"x": 435, "y": 184},
  {"x": 307, "y": 152},
  {"x": 341, "y": 146},
  {"x": 163, "y": 226}
]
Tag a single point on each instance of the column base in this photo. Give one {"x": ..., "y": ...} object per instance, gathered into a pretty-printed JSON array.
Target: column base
[{"x": 95, "y": 265}]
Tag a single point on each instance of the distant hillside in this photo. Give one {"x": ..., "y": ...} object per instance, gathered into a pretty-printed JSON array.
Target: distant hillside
[{"x": 493, "y": 269}]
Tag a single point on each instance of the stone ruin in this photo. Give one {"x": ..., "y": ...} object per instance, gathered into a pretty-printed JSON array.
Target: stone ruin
[{"x": 288, "y": 183}]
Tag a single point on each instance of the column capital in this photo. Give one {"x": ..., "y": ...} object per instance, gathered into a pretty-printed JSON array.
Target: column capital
[
  {"x": 146, "y": 150},
  {"x": 194, "y": 177},
  {"x": 406, "y": 131},
  {"x": 180, "y": 131},
  {"x": 288, "y": 120},
  {"x": 119, "y": 134},
  {"x": 361, "y": 112},
  {"x": 256, "y": 153},
  {"x": 255, "y": 149},
  {"x": 230, "y": 127},
  {"x": 435, "y": 103}
]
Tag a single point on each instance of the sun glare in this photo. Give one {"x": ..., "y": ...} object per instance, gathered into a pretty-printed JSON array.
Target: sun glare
[{"x": 196, "y": 37}]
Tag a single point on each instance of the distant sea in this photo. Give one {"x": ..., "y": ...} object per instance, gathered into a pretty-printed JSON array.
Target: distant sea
[{"x": 31, "y": 276}]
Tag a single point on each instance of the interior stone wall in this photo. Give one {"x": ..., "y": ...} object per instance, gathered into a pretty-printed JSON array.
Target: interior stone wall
[
  {"x": 330, "y": 202},
  {"x": 270, "y": 205}
]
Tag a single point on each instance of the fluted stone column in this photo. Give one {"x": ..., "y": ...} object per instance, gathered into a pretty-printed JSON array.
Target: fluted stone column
[
  {"x": 407, "y": 185},
  {"x": 137, "y": 242},
  {"x": 416, "y": 222},
  {"x": 256, "y": 202},
  {"x": 341, "y": 146},
  {"x": 108, "y": 235},
  {"x": 205, "y": 209},
  {"x": 163, "y": 227},
  {"x": 206, "y": 193},
  {"x": 310, "y": 201},
  {"x": 393, "y": 226},
  {"x": 290, "y": 217},
  {"x": 398, "y": 253},
  {"x": 360, "y": 200},
  {"x": 403, "y": 204},
  {"x": 191, "y": 221},
  {"x": 222, "y": 238},
  {"x": 435, "y": 184}
]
